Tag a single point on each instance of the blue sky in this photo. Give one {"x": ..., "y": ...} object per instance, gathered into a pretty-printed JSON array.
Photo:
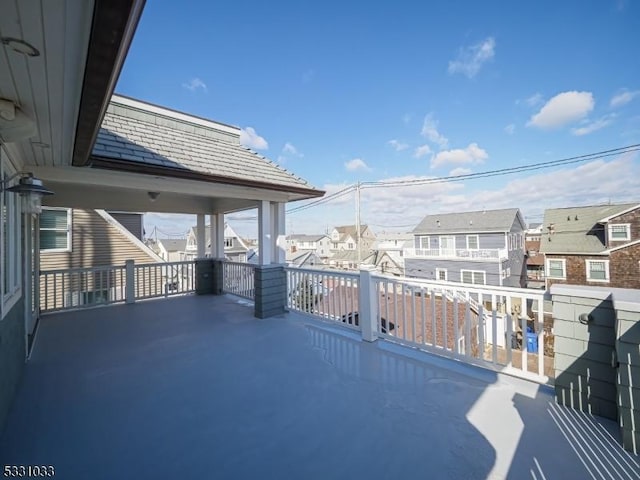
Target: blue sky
[{"x": 338, "y": 93}]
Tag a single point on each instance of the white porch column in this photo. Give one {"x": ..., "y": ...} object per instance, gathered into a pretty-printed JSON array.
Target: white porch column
[
  {"x": 200, "y": 238},
  {"x": 279, "y": 234},
  {"x": 212, "y": 235},
  {"x": 265, "y": 237},
  {"x": 217, "y": 235}
]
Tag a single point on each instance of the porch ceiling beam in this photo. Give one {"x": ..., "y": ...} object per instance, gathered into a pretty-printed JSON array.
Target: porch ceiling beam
[{"x": 127, "y": 180}]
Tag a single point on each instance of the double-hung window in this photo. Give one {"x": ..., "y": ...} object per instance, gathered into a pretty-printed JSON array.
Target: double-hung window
[
  {"x": 476, "y": 277},
  {"x": 55, "y": 230},
  {"x": 597, "y": 270},
  {"x": 556, "y": 268},
  {"x": 473, "y": 242},
  {"x": 620, "y": 232}
]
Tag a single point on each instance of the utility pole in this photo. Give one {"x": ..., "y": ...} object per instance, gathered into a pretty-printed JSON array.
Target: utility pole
[{"x": 358, "y": 221}]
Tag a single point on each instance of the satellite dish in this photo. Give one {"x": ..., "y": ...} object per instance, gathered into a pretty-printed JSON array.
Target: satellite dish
[{"x": 15, "y": 125}]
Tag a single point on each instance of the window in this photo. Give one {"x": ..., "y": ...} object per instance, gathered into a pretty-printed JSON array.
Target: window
[
  {"x": 424, "y": 243},
  {"x": 350, "y": 246},
  {"x": 448, "y": 246},
  {"x": 597, "y": 270},
  {"x": 476, "y": 277},
  {"x": 55, "y": 229},
  {"x": 556, "y": 268},
  {"x": 441, "y": 274},
  {"x": 473, "y": 243},
  {"x": 228, "y": 242},
  {"x": 620, "y": 232},
  {"x": 10, "y": 236}
]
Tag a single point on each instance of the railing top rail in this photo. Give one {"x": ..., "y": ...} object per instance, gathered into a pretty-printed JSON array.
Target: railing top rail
[
  {"x": 100, "y": 268},
  {"x": 163, "y": 264},
  {"x": 464, "y": 287},
  {"x": 324, "y": 271},
  {"x": 243, "y": 264}
]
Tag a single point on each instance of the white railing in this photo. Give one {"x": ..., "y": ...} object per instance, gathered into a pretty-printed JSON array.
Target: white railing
[
  {"x": 72, "y": 288},
  {"x": 239, "y": 279},
  {"x": 459, "y": 254},
  {"x": 489, "y": 326},
  {"x": 327, "y": 294},
  {"x": 153, "y": 280}
]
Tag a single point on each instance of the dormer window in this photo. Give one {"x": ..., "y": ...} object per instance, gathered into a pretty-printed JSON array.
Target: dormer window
[{"x": 619, "y": 232}]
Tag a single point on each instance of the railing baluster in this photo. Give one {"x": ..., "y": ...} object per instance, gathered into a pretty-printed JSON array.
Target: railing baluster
[
  {"x": 456, "y": 333},
  {"x": 468, "y": 342},
  {"x": 540, "y": 334},
  {"x": 413, "y": 313},
  {"x": 423, "y": 313},
  {"x": 494, "y": 330},
  {"x": 434, "y": 314},
  {"x": 445, "y": 302},
  {"x": 523, "y": 320}
]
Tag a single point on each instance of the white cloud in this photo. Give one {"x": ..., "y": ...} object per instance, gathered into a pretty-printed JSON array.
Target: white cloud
[
  {"x": 623, "y": 97},
  {"x": 564, "y": 108},
  {"x": 534, "y": 100},
  {"x": 397, "y": 145},
  {"x": 510, "y": 128},
  {"x": 356, "y": 164},
  {"x": 250, "y": 139},
  {"x": 406, "y": 118},
  {"x": 421, "y": 151},
  {"x": 431, "y": 133},
  {"x": 460, "y": 171},
  {"x": 470, "y": 59},
  {"x": 281, "y": 159},
  {"x": 290, "y": 149},
  {"x": 195, "y": 84},
  {"x": 590, "y": 127},
  {"x": 473, "y": 154}
]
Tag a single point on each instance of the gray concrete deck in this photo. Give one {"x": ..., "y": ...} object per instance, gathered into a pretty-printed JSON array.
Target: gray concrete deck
[{"x": 195, "y": 387}]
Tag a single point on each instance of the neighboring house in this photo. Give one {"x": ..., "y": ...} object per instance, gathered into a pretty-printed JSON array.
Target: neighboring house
[
  {"x": 304, "y": 259},
  {"x": 594, "y": 245},
  {"x": 171, "y": 250},
  {"x": 347, "y": 259},
  {"x": 345, "y": 238},
  {"x": 235, "y": 248},
  {"x": 483, "y": 247},
  {"x": 76, "y": 238},
  {"x": 535, "y": 264},
  {"x": 319, "y": 244},
  {"x": 385, "y": 263}
]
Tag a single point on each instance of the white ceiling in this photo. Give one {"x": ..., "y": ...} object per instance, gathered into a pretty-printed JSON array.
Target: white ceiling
[{"x": 47, "y": 87}]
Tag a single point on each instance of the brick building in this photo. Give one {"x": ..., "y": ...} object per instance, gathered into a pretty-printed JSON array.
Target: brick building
[{"x": 595, "y": 245}]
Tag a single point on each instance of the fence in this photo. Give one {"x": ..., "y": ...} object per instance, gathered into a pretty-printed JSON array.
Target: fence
[
  {"x": 239, "y": 279},
  {"x": 67, "y": 289}
]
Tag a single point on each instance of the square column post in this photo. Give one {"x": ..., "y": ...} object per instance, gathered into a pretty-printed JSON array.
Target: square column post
[
  {"x": 212, "y": 235},
  {"x": 265, "y": 236},
  {"x": 279, "y": 234},
  {"x": 200, "y": 239}
]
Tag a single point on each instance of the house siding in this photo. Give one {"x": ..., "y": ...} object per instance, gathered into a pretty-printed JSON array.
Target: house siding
[
  {"x": 632, "y": 218},
  {"x": 426, "y": 268},
  {"x": 94, "y": 242},
  {"x": 576, "y": 269},
  {"x": 624, "y": 267},
  {"x": 486, "y": 241},
  {"x": 12, "y": 356}
]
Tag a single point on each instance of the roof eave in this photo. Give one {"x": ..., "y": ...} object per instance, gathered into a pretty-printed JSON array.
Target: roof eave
[
  {"x": 114, "y": 24},
  {"x": 128, "y": 166}
]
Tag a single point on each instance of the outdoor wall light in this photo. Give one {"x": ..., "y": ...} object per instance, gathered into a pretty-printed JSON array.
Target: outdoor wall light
[
  {"x": 585, "y": 318},
  {"x": 30, "y": 189},
  {"x": 153, "y": 196}
]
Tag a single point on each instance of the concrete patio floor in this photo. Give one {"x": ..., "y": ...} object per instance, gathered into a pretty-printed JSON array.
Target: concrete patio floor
[{"x": 196, "y": 387}]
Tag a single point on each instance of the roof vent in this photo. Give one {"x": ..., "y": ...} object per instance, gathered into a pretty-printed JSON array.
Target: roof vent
[
  {"x": 576, "y": 219},
  {"x": 568, "y": 218},
  {"x": 438, "y": 222}
]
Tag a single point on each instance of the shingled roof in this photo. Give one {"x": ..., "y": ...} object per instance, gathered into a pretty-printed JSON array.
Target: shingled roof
[
  {"x": 577, "y": 229},
  {"x": 471, "y": 222},
  {"x": 141, "y": 135}
]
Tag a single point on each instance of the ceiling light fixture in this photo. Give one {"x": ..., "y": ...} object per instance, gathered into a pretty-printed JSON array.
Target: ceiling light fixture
[
  {"x": 30, "y": 189},
  {"x": 153, "y": 196},
  {"x": 20, "y": 46}
]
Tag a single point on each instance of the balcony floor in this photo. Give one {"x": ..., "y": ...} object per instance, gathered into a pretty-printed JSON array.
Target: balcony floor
[{"x": 196, "y": 387}]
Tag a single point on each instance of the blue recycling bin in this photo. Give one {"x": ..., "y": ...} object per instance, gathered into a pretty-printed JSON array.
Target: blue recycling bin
[{"x": 532, "y": 341}]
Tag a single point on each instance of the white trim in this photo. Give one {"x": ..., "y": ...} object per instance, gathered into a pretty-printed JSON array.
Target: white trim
[
  {"x": 630, "y": 209},
  {"x": 619, "y": 247},
  {"x": 165, "y": 112},
  {"x": 69, "y": 247},
  {"x": 484, "y": 276},
  {"x": 12, "y": 293},
  {"x": 588, "y": 263},
  {"x": 420, "y": 238},
  {"x": 477, "y": 241},
  {"x": 610, "y": 229},
  {"x": 548, "y": 269},
  {"x": 440, "y": 237},
  {"x": 130, "y": 236},
  {"x": 446, "y": 274}
]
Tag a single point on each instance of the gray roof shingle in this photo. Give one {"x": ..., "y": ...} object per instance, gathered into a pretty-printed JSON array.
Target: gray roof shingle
[
  {"x": 576, "y": 229},
  {"x": 472, "y": 222},
  {"x": 149, "y": 138}
]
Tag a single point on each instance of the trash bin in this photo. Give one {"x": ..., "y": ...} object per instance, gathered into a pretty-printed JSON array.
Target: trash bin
[{"x": 532, "y": 341}]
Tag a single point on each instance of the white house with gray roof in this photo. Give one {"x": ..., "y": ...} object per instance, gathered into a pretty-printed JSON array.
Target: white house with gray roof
[
  {"x": 319, "y": 244},
  {"x": 483, "y": 247}
]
